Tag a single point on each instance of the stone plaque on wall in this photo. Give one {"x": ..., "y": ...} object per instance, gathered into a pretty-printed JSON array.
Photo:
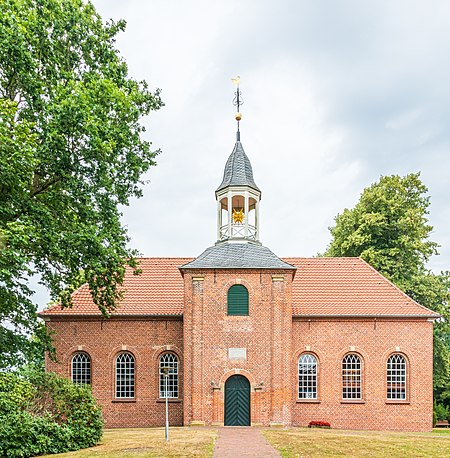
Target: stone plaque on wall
[{"x": 237, "y": 353}]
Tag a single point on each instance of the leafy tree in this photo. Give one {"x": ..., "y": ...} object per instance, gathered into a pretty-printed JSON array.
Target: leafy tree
[
  {"x": 71, "y": 152},
  {"x": 389, "y": 229}
]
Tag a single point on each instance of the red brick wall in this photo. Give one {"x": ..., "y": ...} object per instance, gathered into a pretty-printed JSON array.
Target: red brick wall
[
  {"x": 146, "y": 339},
  {"x": 374, "y": 341},
  {"x": 266, "y": 334},
  {"x": 273, "y": 340}
]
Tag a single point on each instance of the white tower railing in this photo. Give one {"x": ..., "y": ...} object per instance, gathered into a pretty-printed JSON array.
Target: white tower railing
[{"x": 235, "y": 220}]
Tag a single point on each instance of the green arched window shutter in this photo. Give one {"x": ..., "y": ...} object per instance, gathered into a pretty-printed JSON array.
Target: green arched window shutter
[{"x": 238, "y": 300}]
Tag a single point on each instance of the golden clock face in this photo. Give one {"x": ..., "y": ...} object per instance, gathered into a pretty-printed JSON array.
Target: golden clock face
[{"x": 238, "y": 215}]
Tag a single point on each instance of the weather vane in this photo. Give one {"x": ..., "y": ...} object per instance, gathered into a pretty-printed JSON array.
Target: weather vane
[{"x": 237, "y": 102}]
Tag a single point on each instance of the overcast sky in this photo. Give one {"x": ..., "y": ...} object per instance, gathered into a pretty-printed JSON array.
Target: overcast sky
[{"x": 336, "y": 94}]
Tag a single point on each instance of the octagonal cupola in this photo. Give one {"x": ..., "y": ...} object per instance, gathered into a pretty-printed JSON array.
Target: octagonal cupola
[{"x": 238, "y": 199}]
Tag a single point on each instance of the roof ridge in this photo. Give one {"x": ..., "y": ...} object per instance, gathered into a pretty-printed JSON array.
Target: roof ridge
[
  {"x": 320, "y": 257},
  {"x": 165, "y": 257}
]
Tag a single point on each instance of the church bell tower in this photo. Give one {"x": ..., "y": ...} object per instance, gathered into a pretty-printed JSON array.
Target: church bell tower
[
  {"x": 238, "y": 195},
  {"x": 247, "y": 344}
]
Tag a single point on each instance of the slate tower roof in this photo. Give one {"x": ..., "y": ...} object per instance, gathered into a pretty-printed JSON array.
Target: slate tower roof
[
  {"x": 238, "y": 245},
  {"x": 238, "y": 170},
  {"x": 238, "y": 256}
]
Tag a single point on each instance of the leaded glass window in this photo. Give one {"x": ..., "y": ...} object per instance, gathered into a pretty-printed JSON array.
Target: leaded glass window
[
  {"x": 81, "y": 368},
  {"x": 351, "y": 377},
  {"x": 125, "y": 368},
  {"x": 307, "y": 377},
  {"x": 168, "y": 376},
  {"x": 396, "y": 377}
]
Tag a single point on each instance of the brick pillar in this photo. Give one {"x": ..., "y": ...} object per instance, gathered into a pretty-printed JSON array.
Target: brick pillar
[
  {"x": 193, "y": 350},
  {"x": 281, "y": 341}
]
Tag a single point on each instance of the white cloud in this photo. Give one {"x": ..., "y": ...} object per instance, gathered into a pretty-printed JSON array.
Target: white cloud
[
  {"x": 336, "y": 94},
  {"x": 403, "y": 120}
]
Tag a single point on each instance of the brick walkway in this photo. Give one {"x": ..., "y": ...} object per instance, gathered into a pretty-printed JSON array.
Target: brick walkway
[{"x": 242, "y": 441}]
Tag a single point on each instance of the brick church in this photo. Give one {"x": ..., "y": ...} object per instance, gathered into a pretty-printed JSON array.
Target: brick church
[{"x": 238, "y": 336}]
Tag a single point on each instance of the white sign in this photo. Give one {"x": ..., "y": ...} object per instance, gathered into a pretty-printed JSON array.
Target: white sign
[{"x": 237, "y": 353}]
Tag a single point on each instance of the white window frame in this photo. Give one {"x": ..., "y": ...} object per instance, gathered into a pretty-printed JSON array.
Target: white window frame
[
  {"x": 352, "y": 377},
  {"x": 396, "y": 377},
  {"x": 170, "y": 361},
  {"x": 81, "y": 368},
  {"x": 125, "y": 376},
  {"x": 307, "y": 376}
]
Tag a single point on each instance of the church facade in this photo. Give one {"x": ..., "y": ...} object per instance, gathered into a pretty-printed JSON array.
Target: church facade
[{"x": 238, "y": 336}]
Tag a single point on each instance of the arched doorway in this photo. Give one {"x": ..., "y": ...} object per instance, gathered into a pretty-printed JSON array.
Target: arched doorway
[{"x": 237, "y": 401}]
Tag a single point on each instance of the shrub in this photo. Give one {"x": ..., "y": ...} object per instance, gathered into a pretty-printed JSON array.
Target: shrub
[
  {"x": 441, "y": 412},
  {"x": 15, "y": 393},
  {"x": 319, "y": 424},
  {"x": 46, "y": 414}
]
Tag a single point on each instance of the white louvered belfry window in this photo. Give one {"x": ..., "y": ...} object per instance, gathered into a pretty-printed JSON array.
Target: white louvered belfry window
[
  {"x": 168, "y": 385},
  {"x": 81, "y": 368},
  {"x": 307, "y": 377},
  {"x": 396, "y": 377},
  {"x": 125, "y": 376},
  {"x": 351, "y": 377}
]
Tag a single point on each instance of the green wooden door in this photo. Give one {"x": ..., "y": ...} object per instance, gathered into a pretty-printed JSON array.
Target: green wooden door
[{"x": 237, "y": 401}]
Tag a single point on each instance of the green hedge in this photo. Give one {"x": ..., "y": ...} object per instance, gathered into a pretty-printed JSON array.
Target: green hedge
[
  {"x": 441, "y": 412},
  {"x": 45, "y": 413}
]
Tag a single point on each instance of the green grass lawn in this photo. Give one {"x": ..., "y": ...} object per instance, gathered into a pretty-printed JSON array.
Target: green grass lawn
[
  {"x": 306, "y": 443},
  {"x": 291, "y": 442},
  {"x": 150, "y": 442}
]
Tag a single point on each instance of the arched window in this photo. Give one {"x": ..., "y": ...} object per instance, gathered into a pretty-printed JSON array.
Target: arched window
[
  {"x": 125, "y": 375},
  {"x": 168, "y": 376},
  {"x": 238, "y": 300},
  {"x": 307, "y": 377},
  {"x": 396, "y": 377},
  {"x": 351, "y": 377},
  {"x": 81, "y": 368}
]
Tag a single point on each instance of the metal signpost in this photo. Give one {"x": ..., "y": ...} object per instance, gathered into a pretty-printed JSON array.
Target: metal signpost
[{"x": 166, "y": 395}]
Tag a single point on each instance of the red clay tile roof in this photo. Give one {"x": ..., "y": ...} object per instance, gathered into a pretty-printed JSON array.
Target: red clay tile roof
[
  {"x": 321, "y": 287},
  {"x": 347, "y": 286},
  {"x": 158, "y": 290}
]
